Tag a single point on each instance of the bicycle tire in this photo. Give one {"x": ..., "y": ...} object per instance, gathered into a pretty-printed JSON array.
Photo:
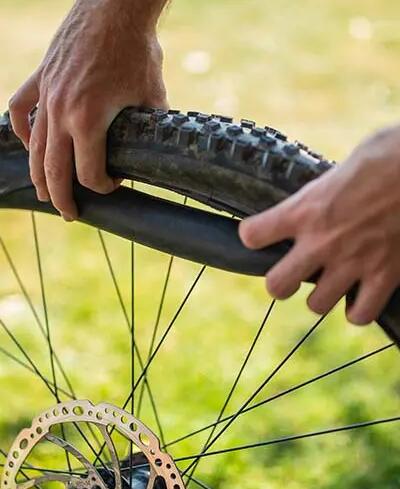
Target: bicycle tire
[{"x": 242, "y": 169}]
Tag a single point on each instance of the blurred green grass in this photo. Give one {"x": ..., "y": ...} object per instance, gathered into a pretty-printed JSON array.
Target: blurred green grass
[{"x": 324, "y": 72}]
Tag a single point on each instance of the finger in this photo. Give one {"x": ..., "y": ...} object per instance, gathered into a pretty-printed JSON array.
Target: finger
[
  {"x": 372, "y": 297},
  {"x": 90, "y": 162},
  {"x": 297, "y": 266},
  {"x": 59, "y": 172},
  {"x": 269, "y": 227},
  {"x": 333, "y": 284},
  {"x": 21, "y": 105},
  {"x": 37, "y": 150}
]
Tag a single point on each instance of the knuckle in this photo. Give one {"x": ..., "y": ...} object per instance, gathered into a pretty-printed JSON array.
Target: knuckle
[
  {"x": 316, "y": 249},
  {"x": 54, "y": 172},
  {"x": 55, "y": 103},
  {"x": 88, "y": 181},
  {"x": 37, "y": 145},
  {"x": 383, "y": 255},
  {"x": 15, "y": 104},
  {"x": 383, "y": 281},
  {"x": 58, "y": 201},
  {"x": 38, "y": 179},
  {"x": 82, "y": 121},
  {"x": 323, "y": 249},
  {"x": 157, "y": 51},
  {"x": 310, "y": 253},
  {"x": 95, "y": 183},
  {"x": 313, "y": 214}
]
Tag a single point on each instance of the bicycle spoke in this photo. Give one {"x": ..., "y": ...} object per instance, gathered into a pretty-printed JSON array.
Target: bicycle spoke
[
  {"x": 33, "y": 368},
  {"x": 165, "y": 335},
  {"x": 128, "y": 323},
  {"x": 236, "y": 381},
  {"x": 156, "y": 326},
  {"x": 158, "y": 318},
  {"x": 292, "y": 438},
  {"x": 27, "y": 367},
  {"x": 2, "y": 452},
  {"x": 113, "y": 277},
  {"x": 133, "y": 318},
  {"x": 48, "y": 336},
  {"x": 46, "y": 322},
  {"x": 285, "y": 392},
  {"x": 29, "y": 301},
  {"x": 133, "y": 342},
  {"x": 25, "y": 354},
  {"x": 72, "y": 394},
  {"x": 260, "y": 388},
  {"x": 160, "y": 343},
  {"x": 40, "y": 375},
  {"x": 197, "y": 482}
]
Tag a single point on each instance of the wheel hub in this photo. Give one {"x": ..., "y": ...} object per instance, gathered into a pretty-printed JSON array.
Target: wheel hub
[{"x": 150, "y": 468}]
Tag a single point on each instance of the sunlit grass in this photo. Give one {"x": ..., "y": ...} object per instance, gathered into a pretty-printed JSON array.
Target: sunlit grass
[{"x": 326, "y": 73}]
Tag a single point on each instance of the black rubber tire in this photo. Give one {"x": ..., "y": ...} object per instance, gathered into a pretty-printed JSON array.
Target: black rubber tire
[{"x": 241, "y": 169}]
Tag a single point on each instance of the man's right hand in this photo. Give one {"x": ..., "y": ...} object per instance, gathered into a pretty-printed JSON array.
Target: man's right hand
[{"x": 105, "y": 57}]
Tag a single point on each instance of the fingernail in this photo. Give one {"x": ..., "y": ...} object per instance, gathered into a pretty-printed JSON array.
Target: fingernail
[
  {"x": 358, "y": 319},
  {"x": 67, "y": 218},
  {"x": 43, "y": 196}
]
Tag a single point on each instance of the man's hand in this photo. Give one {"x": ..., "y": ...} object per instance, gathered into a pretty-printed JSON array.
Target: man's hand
[
  {"x": 345, "y": 224},
  {"x": 104, "y": 57}
]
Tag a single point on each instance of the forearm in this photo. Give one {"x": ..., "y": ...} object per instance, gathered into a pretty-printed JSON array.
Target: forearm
[{"x": 145, "y": 13}]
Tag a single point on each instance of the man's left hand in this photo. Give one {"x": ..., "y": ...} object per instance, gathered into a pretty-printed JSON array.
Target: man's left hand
[{"x": 345, "y": 225}]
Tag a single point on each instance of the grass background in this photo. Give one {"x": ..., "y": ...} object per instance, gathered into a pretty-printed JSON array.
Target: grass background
[{"x": 324, "y": 72}]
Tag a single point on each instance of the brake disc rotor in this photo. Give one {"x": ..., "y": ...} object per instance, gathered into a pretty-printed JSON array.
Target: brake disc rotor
[{"x": 159, "y": 469}]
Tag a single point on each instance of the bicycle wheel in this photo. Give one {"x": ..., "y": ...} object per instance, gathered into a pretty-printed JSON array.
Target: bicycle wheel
[{"x": 240, "y": 169}]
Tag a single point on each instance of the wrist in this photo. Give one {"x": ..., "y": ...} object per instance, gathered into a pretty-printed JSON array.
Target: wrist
[{"x": 143, "y": 15}]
